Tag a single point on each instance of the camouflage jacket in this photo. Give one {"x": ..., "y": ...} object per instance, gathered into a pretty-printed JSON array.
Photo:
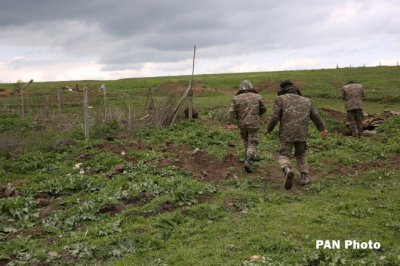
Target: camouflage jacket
[
  {"x": 353, "y": 95},
  {"x": 293, "y": 112},
  {"x": 247, "y": 109}
]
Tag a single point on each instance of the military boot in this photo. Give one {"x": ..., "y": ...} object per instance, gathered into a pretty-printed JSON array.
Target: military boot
[
  {"x": 247, "y": 164},
  {"x": 304, "y": 179},
  {"x": 289, "y": 174}
]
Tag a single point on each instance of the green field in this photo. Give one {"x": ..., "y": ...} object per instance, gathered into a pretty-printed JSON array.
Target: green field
[{"x": 179, "y": 195}]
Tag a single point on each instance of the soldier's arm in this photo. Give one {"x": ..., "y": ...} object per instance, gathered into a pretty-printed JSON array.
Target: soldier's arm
[
  {"x": 316, "y": 118},
  {"x": 262, "y": 106},
  {"x": 275, "y": 116},
  {"x": 231, "y": 115}
]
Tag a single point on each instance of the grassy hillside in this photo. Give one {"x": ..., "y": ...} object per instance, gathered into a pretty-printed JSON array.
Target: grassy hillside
[{"x": 179, "y": 196}]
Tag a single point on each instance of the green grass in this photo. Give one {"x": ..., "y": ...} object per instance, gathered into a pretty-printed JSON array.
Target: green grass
[{"x": 152, "y": 213}]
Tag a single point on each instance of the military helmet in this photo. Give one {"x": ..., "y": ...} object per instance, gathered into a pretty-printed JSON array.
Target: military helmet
[{"x": 245, "y": 85}]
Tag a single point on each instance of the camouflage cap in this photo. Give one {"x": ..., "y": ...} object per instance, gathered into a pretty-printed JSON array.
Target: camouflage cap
[{"x": 245, "y": 85}]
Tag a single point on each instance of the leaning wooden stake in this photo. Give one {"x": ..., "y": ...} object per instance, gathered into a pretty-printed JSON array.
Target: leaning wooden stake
[
  {"x": 86, "y": 112},
  {"x": 189, "y": 92}
]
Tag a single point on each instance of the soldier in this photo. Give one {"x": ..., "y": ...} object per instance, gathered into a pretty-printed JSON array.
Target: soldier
[
  {"x": 293, "y": 111},
  {"x": 353, "y": 94},
  {"x": 247, "y": 107}
]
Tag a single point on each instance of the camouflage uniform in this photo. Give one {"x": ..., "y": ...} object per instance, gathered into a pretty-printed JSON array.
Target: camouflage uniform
[
  {"x": 247, "y": 107},
  {"x": 293, "y": 112},
  {"x": 353, "y": 94}
]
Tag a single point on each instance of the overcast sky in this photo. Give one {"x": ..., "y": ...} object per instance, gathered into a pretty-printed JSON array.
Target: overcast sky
[{"x": 111, "y": 39}]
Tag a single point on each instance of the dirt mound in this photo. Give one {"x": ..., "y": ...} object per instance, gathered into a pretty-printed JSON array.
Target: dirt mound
[
  {"x": 274, "y": 85},
  {"x": 335, "y": 114},
  {"x": 267, "y": 85},
  {"x": 180, "y": 88},
  {"x": 6, "y": 92},
  {"x": 203, "y": 165}
]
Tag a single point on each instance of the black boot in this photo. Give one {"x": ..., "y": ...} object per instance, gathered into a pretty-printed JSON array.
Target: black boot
[
  {"x": 248, "y": 163},
  {"x": 289, "y": 174}
]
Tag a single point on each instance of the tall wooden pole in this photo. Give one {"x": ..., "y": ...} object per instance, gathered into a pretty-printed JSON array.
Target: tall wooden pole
[
  {"x": 188, "y": 91},
  {"x": 191, "y": 86}
]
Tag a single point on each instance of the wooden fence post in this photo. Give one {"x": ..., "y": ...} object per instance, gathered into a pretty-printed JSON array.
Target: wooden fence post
[
  {"x": 104, "y": 89},
  {"x": 129, "y": 114},
  {"x": 86, "y": 112},
  {"x": 22, "y": 97},
  {"x": 59, "y": 101},
  {"x": 22, "y": 102},
  {"x": 47, "y": 107}
]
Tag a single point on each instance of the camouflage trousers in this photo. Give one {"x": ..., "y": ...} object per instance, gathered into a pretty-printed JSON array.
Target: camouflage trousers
[
  {"x": 250, "y": 141},
  {"x": 300, "y": 153},
  {"x": 355, "y": 118}
]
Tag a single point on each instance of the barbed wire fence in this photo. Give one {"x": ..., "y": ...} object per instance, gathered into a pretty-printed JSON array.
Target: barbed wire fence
[{"x": 65, "y": 109}]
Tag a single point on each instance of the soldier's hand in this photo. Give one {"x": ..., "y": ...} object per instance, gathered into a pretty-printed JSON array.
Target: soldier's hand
[
  {"x": 231, "y": 127},
  {"x": 324, "y": 133}
]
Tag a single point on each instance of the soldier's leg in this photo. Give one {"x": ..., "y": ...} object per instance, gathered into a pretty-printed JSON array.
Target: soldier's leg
[
  {"x": 300, "y": 152},
  {"x": 253, "y": 140},
  {"x": 244, "y": 135},
  {"x": 285, "y": 152},
  {"x": 359, "y": 118},
  {"x": 244, "y": 132},
  {"x": 302, "y": 164},
  {"x": 351, "y": 117}
]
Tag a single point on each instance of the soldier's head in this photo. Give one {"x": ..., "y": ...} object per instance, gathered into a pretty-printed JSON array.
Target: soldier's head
[
  {"x": 285, "y": 83},
  {"x": 288, "y": 87},
  {"x": 246, "y": 86}
]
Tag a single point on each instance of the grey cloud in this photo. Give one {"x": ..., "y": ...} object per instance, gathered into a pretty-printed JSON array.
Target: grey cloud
[{"x": 124, "y": 34}]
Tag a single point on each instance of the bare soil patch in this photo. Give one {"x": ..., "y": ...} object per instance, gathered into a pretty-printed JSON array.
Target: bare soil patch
[
  {"x": 335, "y": 114},
  {"x": 204, "y": 166},
  {"x": 114, "y": 209},
  {"x": 180, "y": 88},
  {"x": 267, "y": 86},
  {"x": 6, "y": 92}
]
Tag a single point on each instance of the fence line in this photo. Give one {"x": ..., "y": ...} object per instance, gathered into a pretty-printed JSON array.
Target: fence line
[{"x": 62, "y": 111}]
